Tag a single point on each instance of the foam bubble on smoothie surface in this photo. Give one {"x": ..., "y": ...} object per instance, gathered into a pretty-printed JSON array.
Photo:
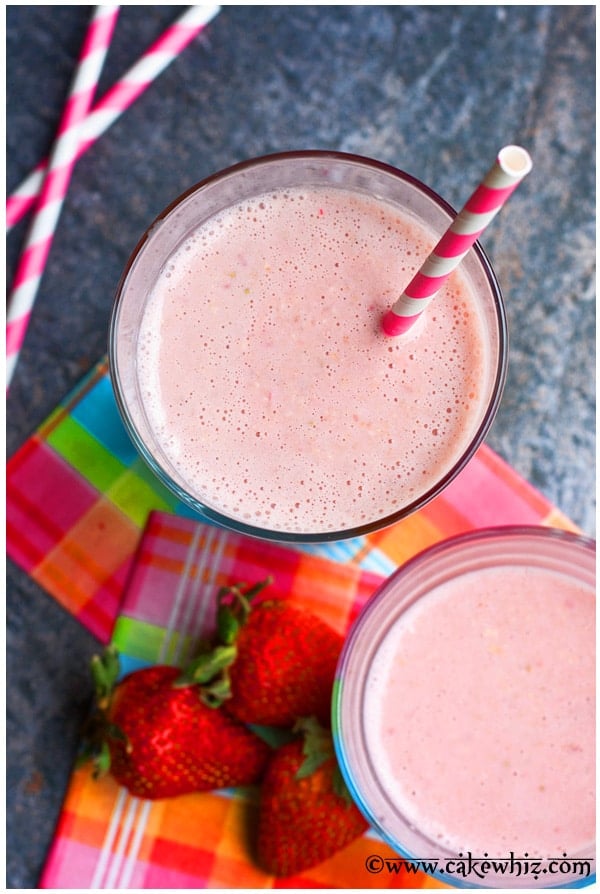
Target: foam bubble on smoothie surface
[{"x": 266, "y": 377}]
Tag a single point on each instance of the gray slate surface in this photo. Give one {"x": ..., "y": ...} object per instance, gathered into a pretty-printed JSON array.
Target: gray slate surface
[{"x": 433, "y": 90}]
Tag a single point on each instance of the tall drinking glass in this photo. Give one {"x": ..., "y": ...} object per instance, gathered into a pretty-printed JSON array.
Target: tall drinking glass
[
  {"x": 250, "y": 366},
  {"x": 463, "y": 709}
]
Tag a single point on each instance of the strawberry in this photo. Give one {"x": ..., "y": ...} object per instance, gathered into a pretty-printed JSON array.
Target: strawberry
[
  {"x": 284, "y": 660},
  {"x": 306, "y": 815},
  {"x": 160, "y": 740}
]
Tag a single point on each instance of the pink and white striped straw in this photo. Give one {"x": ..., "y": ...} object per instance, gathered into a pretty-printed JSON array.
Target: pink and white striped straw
[
  {"x": 112, "y": 105},
  {"x": 511, "y": 166},
  {"x": 62, "y": 160}
]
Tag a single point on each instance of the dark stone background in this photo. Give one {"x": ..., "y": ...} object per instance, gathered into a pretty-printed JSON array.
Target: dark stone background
[{"x": 433, "y": 90}]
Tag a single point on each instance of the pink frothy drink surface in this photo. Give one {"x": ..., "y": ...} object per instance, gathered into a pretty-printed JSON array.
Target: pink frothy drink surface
[
  {"x": 269, "y": 383},
  {"x": 479, "y": 714}
]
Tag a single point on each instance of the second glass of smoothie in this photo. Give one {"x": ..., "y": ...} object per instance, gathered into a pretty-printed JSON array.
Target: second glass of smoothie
[
  {"x": 464, "y": 709},
  {"x": 250, "y": 366}
]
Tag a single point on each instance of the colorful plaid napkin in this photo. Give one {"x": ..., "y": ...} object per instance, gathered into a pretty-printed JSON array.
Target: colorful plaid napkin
[
  {"x": 108, "y": 839},
  {"x": 78, "y": 497},
  {"x": 78, "y": 500}
]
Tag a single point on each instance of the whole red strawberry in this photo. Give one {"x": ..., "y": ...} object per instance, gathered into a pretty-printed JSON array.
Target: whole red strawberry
[
  {"x": 284, "y": 661},
  {"x": 284, "y": 668},
  {"x": 162, "y": 740},
  {"x": 306, "y": 815}
]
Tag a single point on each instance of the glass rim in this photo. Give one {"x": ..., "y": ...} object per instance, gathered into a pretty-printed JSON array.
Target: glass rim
[
  {"x": 459, "y": 541},
  {"x": 369, "y": 799},
  {"x": 265, "y": 533}
]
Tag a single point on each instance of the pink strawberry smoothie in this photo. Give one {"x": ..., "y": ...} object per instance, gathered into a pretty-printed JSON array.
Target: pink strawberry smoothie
[
  {"x": 268, "y": 382},
  {"x": 479, "y": 713}
]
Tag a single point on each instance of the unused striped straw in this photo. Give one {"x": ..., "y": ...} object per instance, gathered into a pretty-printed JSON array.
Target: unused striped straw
[
  {"x": 37, "y": 245},
  {"x": 512, "y": 165},
  {"x": 112, "y": 105}
]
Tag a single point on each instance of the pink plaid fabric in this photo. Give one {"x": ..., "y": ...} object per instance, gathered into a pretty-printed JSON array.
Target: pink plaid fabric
[
  {"x": 78, "y": 501},
  {"x": 107, "y": 838}
]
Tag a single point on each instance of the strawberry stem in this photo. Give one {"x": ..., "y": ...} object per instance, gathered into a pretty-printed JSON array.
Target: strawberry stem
[
  {"x": 317, "y": 747},
  {"x": 210, "y": 669},
  {"x": 97, "y": 729},
  {"x": 233, "y": 608},
  {"x": 101, "y": 761},
  {"x": 207, "y": 666},
  {"x": 216, "y": 692},
  {"x": 105, "y": 670}
]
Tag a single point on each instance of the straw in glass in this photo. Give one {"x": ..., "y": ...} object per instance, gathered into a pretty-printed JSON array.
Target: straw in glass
[
  {"x": 511, "y": 166},
  {"x": 112, "y": 105},
  {"x": 37, "y": 246}
]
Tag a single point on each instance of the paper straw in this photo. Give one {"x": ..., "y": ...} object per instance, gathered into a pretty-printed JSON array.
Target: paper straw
[
  {"x": 512, "y": 165},
  {"x": 112, "y": 105},
  {"x": 37, "y": 245}
]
